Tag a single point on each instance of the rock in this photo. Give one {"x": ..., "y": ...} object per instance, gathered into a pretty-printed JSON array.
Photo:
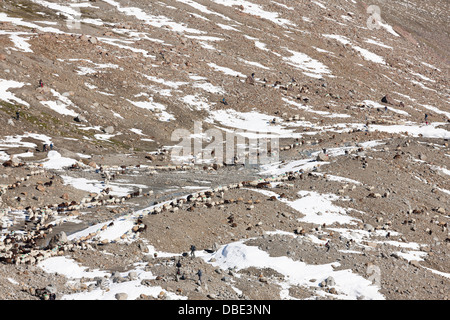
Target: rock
[
  {"x": 374, "y": 195},
  {"x": 387, "y": 99},
  {"x": 414, "y": 263},
  {"x": 323, "y": 157},
  {"x": 368, "y": 227},
  {"x": 8, "y": 163},
  {"x": 332, "y": 291},
  {"x": 65, "y": 196},
  {"x": 132, "y": 275},
  {"x": 102, "y": 283},
  {"x": 84, "y": 38},
  {"x": 109, "y": 130},
  {"x": 80, "y": 118},
  {"x": 58, "y": 239},
  {"x": 92, "y": 164},
  {"x": 51, "y": 289},
  {"x": 2, "y": 57},
  {"x": 121, "y": 296},
  {"x": 250, "y": 80},
  {"x": 40, "y": 187},
  {"x": 395, "y": 255},
  {"x": 330, "y": 282}
]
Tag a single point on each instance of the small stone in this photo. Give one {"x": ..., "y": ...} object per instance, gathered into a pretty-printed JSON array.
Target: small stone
[
  {"x": 121, "y": 296},
  {"x": 132, "y": 275},
  {"x": 332, "y": 291},
  {"x": 51, "y": 289},
  {"x": 415, "y": 263}
]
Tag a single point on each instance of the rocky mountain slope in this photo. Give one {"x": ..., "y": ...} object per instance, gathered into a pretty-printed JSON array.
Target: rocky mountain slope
[{"x": 355, "y": 205}]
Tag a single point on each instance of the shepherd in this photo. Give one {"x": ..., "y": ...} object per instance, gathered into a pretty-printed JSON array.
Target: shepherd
[
  {"x": 178, "y": 273},
  {"x": 199, "y": 273}
]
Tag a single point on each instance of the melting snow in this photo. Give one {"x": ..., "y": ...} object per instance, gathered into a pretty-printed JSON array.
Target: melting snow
[
  {"x": 310, "y": 66},
  {"x": 56, "y": 161},
  {"x": 5, "y": 85},
  {"x": 348, "y": 284},
  {"x": 226, "y": 70}
]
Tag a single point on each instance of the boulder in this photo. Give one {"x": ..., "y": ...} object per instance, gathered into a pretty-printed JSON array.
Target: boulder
[
  {"x": 387, "y": 99},
  {"x": 109, "y": 130},
  {"x": 58, "y": 239},
  {"x": 80, "y": 118},
  {"x": 323, "y": 157},
  {"x": 330, "y": 282}
]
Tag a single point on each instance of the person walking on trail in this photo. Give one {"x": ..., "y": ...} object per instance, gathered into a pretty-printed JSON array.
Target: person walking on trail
[
  {"x": 17, "y": 115},
  {"x": 224, "y": 102},
  {"x": 193, "y": 251},
  {"x": 178, "y": 273},
  {"x": 328, "y": 245},
  {"x": 199, "y": 274},
  {"x": 426, "y": 119},
  {"x": 41, "y": 84}
]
